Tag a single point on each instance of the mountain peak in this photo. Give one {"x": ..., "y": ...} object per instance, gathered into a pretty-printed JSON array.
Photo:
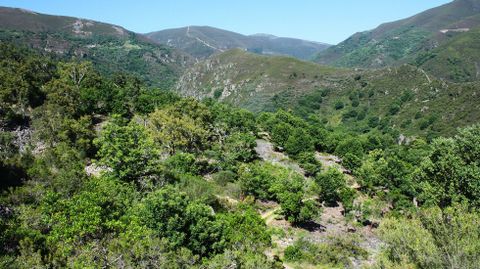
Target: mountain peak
[{"x": 264, "y": 35}]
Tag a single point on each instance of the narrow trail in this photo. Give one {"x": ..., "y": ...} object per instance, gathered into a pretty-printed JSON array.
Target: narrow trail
[{"x": 202, "y": 41}]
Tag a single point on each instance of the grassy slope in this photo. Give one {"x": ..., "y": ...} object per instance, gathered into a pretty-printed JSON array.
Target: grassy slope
[
  {"x": 425, "y": 104},
  {"x": 403, "y": 97},
  {"x": 111, "y": 48}
]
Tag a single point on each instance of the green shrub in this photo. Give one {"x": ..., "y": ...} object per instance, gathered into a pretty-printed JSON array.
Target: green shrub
[
  {"x": 394, "y": 109},
  {"x": 299, "y": 141},
  {"x": 128, "y": 151},
  {"x": 331, "y": 183},
  {"x": 339, "y": 105},
  {"x": 451, "y": 171}
]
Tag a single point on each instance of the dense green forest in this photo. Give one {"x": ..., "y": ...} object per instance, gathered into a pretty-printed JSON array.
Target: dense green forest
[{"x": 105, "y": 172}]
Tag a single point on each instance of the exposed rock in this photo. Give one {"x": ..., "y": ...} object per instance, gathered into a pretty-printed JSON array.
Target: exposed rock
[{"x": 95, "y": 170}]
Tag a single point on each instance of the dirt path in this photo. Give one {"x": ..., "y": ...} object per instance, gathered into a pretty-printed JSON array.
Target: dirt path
[{"x": 269, "y": 215}]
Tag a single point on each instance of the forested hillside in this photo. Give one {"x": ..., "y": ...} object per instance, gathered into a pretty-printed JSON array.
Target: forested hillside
[
  {"x": 406, "y": 99},
  {"x": 105, "y": 172}
]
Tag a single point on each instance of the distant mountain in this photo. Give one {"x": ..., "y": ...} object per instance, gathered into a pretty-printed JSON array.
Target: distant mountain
[
  {"x": 402, "y": 41},
  {"x": 203, "y": 41},
  {"x": 111, "y": 48},
  {"x": 405, "y": 97}
]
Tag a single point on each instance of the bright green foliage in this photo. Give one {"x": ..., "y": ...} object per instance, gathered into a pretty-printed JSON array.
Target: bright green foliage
[
  {"x": 280, "y": 133},
  {"x": 183, "y": 223},
  {"x": 255, "y": 179},
  {"x": 60, "y": 168},
  {"x": 330, "y": 182},
  {"x": 245, "y": 229},
  {"x": 434, "y": 238},
  {"x": 299, "y": 141},
  {"x": 184, "y": 126},
  {"x": 53, "y": 128},
  {"x": 66, "y": 90},
  {"x": 351, "y": 150},
  {"x": 468, "y": 143},
  {"x": 182, "y": 163},
  {"x": 237, "y": 120},
  {"x": 295, "y": 209},
  {"x": 288, "y": 132},
  {"x": 347, "y": 196},
  {"x": 86, "y": 216},
  {"x": 166, "y": 189},
  {"x": 350, "y": 145},
  {"x": 290, "y": 194},
  {"x": 452, "y": 171},
  {"x": 390, "y": 170},
  {"x": 149, "y": 99},
  {"x": 351, "y": 161},
  {"x": 128, "y": 151}
]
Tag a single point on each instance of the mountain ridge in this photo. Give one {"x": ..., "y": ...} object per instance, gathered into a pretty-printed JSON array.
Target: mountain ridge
[{"x": 203, "y": 41}]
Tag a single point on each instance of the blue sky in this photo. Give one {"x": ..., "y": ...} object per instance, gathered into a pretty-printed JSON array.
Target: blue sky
[{"x": 329, "y": 21}]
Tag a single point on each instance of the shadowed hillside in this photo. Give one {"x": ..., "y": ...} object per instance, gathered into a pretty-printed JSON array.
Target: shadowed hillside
[{"x": 111, "y": 48}]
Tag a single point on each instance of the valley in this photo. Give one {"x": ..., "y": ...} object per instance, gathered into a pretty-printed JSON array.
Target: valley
[{"x": 198, "y": 147}]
